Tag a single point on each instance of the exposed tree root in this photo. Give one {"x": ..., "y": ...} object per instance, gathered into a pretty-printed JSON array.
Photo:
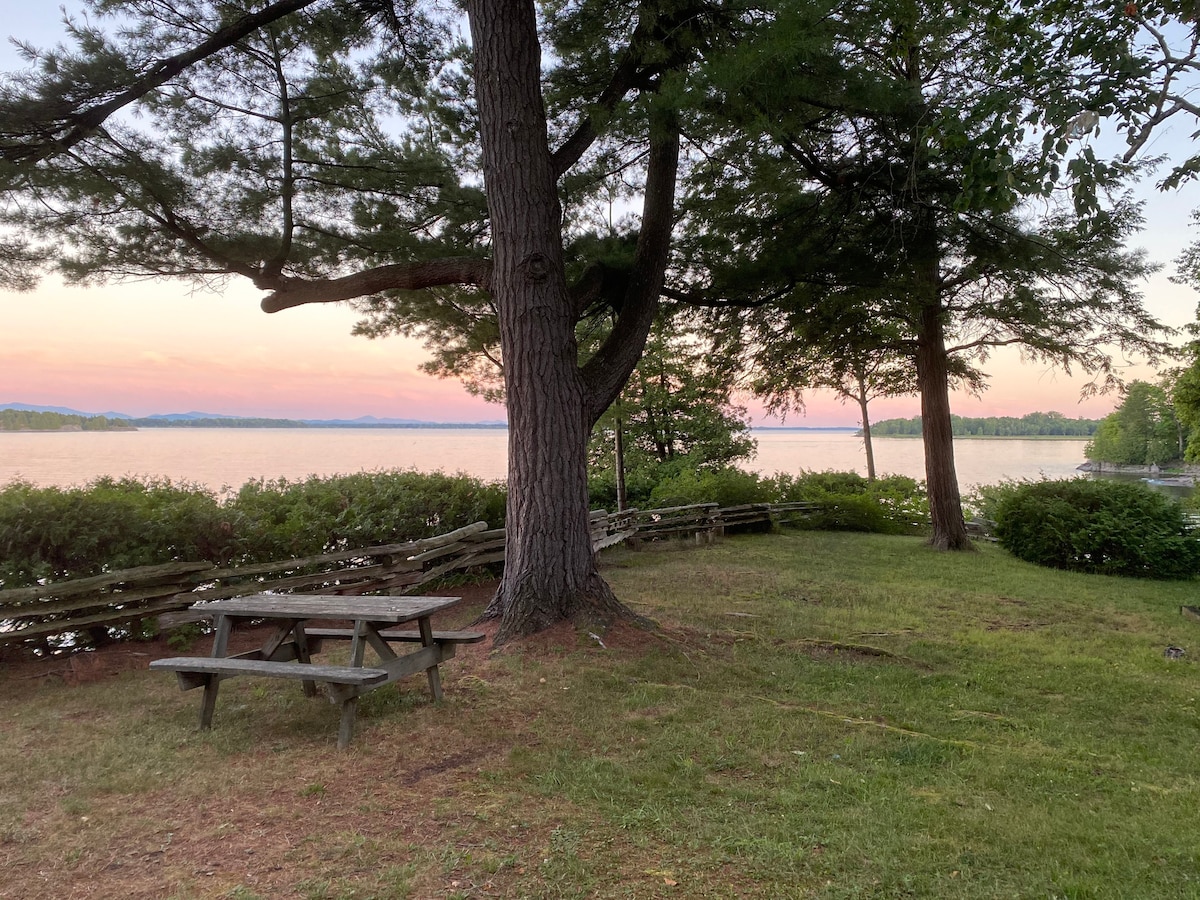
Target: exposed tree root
[
  {"x": 525, "y": 610},
  {"x": 952, "y": 542}
]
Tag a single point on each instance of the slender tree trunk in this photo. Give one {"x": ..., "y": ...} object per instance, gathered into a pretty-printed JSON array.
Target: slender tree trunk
[
  {"x": 933, "y": 374},
  {"x": 941, "y": 480},
  {"x": 861, "y": 399},
  {"x": 619, "y": 462},
  {"x": 550, "y": 572}
]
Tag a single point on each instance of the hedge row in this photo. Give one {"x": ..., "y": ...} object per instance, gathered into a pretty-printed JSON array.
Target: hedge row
[
  {"x": 58, "y": 533},
  {"x": 49, "y": 533}
]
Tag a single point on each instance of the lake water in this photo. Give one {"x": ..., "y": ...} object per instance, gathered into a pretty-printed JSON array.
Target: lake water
[{"x": 221, "y": 457}]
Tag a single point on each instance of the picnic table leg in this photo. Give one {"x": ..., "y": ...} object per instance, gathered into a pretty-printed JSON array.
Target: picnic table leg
[
  {"x": 302, "y": 655},
  {"x": 220, "y": 648},
  {"x": 358, "y": 643},
  {"x": 435, "y": 676},
  {"x": 358, "y": 647},
  {"x": 346, "y": 728}
]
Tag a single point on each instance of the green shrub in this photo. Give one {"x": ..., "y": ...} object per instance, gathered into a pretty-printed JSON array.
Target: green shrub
[
  {"x": 892, "y": 505},
  {"x": 849, "y": 502},
  {"x": 727, "y": 486},
  {"x": 816, "y": 485},
  {"x": 639, "y": 484},
  {"x": 322, "y": 515},
  {"x": 848, "y": 512},
  {"x": 110, "y": 524},
  {"x": 57, "y": 533},
  {"x": 1105, "y": 527}
]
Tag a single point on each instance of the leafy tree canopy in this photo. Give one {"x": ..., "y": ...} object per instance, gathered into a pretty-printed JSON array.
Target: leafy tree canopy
[
  {"x": 911, "y": 192},
  {"x": 1142, "y": 431},
  {"x": 676, "y": 413}
]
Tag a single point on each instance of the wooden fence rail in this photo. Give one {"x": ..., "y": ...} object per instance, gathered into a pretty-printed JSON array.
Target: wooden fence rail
[{"x": 33, "y": 615}]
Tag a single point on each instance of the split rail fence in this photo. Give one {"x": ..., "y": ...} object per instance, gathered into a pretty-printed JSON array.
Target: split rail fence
[{"x": 125, "y": 599}]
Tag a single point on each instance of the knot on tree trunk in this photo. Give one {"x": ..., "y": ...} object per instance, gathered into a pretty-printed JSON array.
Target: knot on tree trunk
[{"x": 535, "y": 267}]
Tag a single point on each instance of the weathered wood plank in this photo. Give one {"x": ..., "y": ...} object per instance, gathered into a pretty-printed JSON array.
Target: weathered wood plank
[
  {"x": 485, "y": 546},
  {"x": 283, "y": 653},
  {"x": 349, "y": 574},
  {"x": 61, "y": 589},
  {"x": 438, "y": 552},
  {"x": 324, "y": 606},
  {"x": 417, "y": 661},
  {"x": 392, "y": 634},
  {"x": 293, "y": 582},
  {"x": 405, "y": 549},
  {"x": 86, "y": 602},
  {"x": 231, "y": 666},
  {"x": 611, "y": 540},
  {"x": 643, "y": 513},
  {"x": 110, "y": 617},
  {"x": 491, "y": 534},
  {"x": 670, "y": 521}
]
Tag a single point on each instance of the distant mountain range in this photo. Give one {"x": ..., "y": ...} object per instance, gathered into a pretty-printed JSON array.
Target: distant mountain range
[{"x": 216, "y": 420}]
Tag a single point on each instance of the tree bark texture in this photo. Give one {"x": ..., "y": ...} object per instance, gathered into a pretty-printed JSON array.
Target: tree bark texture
[
  {"x": 941, "y": 480},
  {"x": 550, "y": 571}
]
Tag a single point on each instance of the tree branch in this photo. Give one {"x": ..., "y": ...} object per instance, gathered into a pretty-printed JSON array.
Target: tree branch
[
  {"x": 705, "y": 299},
  {"x": 635, "y": 69},
  {"x": 984, "y": 342},
  {"x": 290, "y": 292},
  {"x": 605, "y": 374},
  {"x": 58, "y": 136},
  {"x": 623, "y": 80}
]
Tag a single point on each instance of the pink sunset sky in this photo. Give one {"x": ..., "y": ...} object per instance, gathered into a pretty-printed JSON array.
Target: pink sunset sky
[{"x": 147, "y": 348}]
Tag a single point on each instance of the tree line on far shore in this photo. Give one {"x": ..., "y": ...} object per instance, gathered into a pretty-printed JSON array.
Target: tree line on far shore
[
  {"x": 31, "y": 420},
  {"x": 1035, "y": 424}
]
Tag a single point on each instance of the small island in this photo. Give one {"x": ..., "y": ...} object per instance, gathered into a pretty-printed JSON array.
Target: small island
[{"x": 1031, "y": 425}]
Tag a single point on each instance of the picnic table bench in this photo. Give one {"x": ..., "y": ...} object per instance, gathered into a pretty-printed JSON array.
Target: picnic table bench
[{"x": 287, "y": 652}]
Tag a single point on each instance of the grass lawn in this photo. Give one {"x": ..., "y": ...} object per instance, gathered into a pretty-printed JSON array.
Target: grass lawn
[{"x": 819, "y": 715}]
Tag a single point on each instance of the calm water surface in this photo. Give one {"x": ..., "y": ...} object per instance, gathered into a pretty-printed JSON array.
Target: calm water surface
[{"x": 228, "y": 457}]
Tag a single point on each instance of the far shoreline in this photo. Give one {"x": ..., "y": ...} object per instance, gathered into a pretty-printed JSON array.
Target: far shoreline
[
  {"x": 988, "y": 437},
  {"x": 75, "y": 429}
]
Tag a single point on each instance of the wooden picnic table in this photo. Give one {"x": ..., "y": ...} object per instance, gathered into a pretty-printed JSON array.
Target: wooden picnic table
[{"x": 287, "y": 652}]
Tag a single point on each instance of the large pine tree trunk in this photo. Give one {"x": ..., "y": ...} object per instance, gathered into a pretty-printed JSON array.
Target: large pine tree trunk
[
  {"x": 941, "y": 480},
  {"x": 550, "y": 571}
]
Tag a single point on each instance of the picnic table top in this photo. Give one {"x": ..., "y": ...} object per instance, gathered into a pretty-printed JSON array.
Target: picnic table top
[{"x": 311, "y": 606}]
